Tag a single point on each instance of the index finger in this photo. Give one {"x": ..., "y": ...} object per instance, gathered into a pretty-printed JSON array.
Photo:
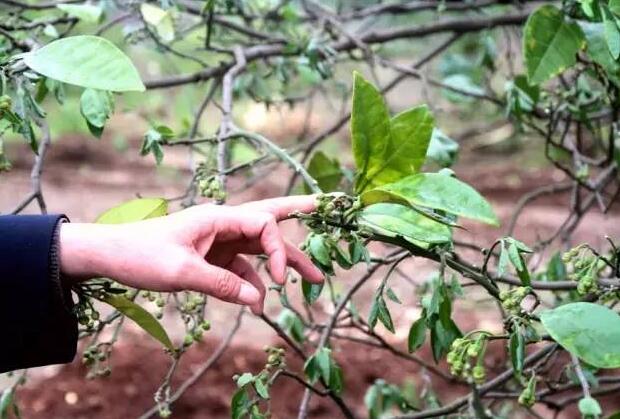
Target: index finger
[{"x": 282, "y": 207}]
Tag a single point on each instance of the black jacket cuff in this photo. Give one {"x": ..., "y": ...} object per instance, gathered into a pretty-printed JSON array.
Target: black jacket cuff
[{"x": 36, "y": 316}]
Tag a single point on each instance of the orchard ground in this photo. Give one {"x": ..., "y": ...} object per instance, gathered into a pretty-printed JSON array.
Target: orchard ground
[{"x": 84, "y": 177}]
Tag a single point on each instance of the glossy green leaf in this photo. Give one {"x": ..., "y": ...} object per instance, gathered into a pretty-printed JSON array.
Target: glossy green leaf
[
  {"x": 325, "y": 171},
  {"x": 405, "y": 151},
  {"x": 442, "y": 150},
  {"x": 239, "y": 404},
  {"x": 85, "y": 12},
  {"x": 550, "y": 43},
  {"x": 435, "y": 191},
  {"x": 398, "y": 220},
  {"x": 141, "y": 317},
  {"x": 311, "y": 291},
  {"x": 370, "y": 128},
  {"x": 96, "y": 106},
  {"x": 87, "y": 61},
  {"x": 244, "y": 379},
  {"x": 261, "y": 389},
  {"x": 135, "y": 210},
  {"x": 320, "y": 253},
  {"x": 417, "y": 335},
  {"x": 589, "y": 331}
]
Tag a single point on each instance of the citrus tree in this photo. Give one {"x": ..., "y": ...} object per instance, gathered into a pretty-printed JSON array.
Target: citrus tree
[{"x": 550, "y": 69}]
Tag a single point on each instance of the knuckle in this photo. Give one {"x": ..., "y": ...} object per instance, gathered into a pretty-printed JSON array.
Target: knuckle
[{"x": 225, "y": 285}]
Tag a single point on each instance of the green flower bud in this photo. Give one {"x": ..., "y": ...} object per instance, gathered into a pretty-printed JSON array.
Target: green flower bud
[
  {"x": 188, "y": 340},
  {"x": 205, "y": 325}
]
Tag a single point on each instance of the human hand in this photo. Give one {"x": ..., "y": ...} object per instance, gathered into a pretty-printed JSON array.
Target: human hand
[{"x": 200, "y": 249}]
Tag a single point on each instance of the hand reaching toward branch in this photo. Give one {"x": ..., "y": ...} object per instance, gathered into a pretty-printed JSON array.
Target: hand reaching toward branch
[{"x": 201, "y": 249}]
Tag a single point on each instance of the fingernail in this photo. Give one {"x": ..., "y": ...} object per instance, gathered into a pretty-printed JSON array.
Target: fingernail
[{"x": 248, "y": 294}]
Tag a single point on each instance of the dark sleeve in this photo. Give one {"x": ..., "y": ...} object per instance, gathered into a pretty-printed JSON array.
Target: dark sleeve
[{"x": 37, "y": 326}]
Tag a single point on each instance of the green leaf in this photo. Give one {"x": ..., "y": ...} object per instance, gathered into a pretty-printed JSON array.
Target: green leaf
[
  {"x": 85, "y": 12},
  {"x": 96, "y": 106},
  {"x": 598, "y": 50},
  {"x": 502, "y": 263},
  {"x": 435, "y": 191},
  {"x": 261, "y": 389},
  {"x": 320, "y": 253},
  {"x": 311, "y": 291},
  {"x": 417, "y": 335},
  {"x": 87, "y": 61},
  {"x": 589, "y": 331},
  {"x": 442, "y": 150},
  {"x": 589, "y": 407},
  {"x": 325, "y": 171},
  {"x": 153, "y": 139},
  {"x": 515, "y": 257},
  {"x": 517, "y": 351},
  {"x": 292, "y": 325},
  {"x": 370, "y": 128},
  {"x": 612, "y": 34},
  {"x": 614, "y": 6},
  {"x": 244, "y": 379},
  {"x": 336, "y": 380},
  {"x": 135, "y": 210},
  {"x": 140, "y": 316},
  {"x": 392, "y": 296},
  {"x": 311, "y": 369},
  {"x": 550, "y": 43},
  {"x": 405, "y": 150},
  {"x": 398, "y": 220},
  {"x": 240, "y": 404},
  {"x": 6, "y": 400},
  {"x": 379, "y": 311},
  {"x": 160, "y": 19},
  {"x": 324, "y": 363},
  {"x": 463, "y": 83}
]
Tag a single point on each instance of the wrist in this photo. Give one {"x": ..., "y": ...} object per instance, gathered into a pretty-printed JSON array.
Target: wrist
[{"x": 85, "y": 250}]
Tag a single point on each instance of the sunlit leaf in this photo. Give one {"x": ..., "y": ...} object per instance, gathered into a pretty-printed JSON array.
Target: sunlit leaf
[
  {"x": 87, "y": 61},
  {"x": 134, "y": 210},
  {"x": 435, "y": 191}
]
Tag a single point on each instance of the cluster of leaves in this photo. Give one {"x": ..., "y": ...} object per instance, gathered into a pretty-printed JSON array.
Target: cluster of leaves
[{"x": 390, "y": 196}]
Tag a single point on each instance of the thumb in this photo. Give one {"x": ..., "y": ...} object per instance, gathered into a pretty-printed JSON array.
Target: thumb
[{"x": 221, "y": 284}]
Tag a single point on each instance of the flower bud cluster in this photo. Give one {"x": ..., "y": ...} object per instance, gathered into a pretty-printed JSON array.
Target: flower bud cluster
[
  {"x": 209, "y": 184},
  {"x": 93, "y": 356},
  {"x": 511, "y": 299},
  {"x": 466, "y": 358},
  {"x": 585, "y": 268}
]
